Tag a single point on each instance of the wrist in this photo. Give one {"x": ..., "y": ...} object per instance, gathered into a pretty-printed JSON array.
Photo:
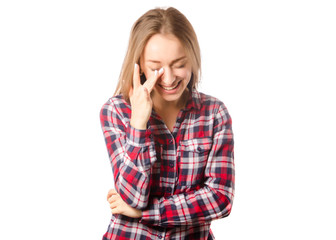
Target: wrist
[
  {"x": 139, "y": 213},
  {"x": 138, "y": 125}
]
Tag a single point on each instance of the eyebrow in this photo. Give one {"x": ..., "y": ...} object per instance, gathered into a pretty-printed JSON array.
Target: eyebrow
[{"x": 173, "y": 62}]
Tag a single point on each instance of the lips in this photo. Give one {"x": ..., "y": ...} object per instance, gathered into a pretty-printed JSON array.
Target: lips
[{"x": 170, "y": 87}]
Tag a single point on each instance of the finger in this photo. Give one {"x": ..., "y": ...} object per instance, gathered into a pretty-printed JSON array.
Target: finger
[
  {"x": 112, "y": 199},
  {"x": 114, "y": 205},
  {"x": 136, "y": 76},
  {"x": 150, "y": 83},
  {"x": 111, "y": 192},
  {"x": 130, "y": 93},
  {"x": 115, "y": 211}
]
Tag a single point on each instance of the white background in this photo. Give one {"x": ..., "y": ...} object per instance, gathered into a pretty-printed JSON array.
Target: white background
[{"x": 271, "y": 62}]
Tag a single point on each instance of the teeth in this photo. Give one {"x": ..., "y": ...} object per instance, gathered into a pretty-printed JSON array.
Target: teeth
[{"x": 169, "y": 88}]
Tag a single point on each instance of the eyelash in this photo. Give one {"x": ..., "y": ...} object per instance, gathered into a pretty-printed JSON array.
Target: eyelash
[{"x": 180, "y": 66}]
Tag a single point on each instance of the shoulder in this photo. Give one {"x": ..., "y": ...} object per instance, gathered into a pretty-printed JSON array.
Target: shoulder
[
  {"x": 116, "y": 105},
  {"x": 214, "y": 109},
  {"x": 209, "y": 103}
]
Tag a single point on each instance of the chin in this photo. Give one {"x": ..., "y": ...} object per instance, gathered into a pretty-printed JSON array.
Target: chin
[{"x": 170, "y": 98}]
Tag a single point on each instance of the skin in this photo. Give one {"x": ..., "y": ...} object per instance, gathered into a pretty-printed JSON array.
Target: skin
[
  {"x": 168, "y": 73},
  {"x": 166, "y": 51},
  {"x": 118, "y": 206}
]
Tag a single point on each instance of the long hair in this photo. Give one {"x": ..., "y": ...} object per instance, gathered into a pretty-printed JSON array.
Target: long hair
[{"x": 155, "y": 21}]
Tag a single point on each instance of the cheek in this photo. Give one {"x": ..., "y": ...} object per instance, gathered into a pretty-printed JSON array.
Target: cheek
[
  {"x": 148, "y": 73},
  {"x": 183, "y": 73}
]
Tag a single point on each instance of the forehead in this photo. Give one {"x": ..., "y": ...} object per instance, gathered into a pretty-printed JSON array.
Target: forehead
[{"x": 163, "y": 48}]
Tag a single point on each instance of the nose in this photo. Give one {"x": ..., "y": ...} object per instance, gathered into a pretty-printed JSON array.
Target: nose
[{"x": 168, "y": 77}]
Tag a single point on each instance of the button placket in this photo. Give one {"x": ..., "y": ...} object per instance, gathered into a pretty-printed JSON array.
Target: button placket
[
  {"x": 161, "y": 235},
  {"x": 170, "y": 160}
]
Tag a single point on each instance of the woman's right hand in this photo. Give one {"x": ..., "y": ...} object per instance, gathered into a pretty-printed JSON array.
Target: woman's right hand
[{"x": 140, "y": 98}]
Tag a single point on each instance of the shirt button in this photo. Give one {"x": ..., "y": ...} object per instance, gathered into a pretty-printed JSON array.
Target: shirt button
[
  {"x": 171, "y": 141},
  {"x": 160, "y": 236},
  {"x": 171, "y": 165},
  {"x": 199, "y": 149},
  {"x": 169, "y": 189}
]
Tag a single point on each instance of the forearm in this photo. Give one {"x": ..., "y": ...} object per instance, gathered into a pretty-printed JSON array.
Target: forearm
[
  {"x": 132, "y": 184},
  {"x": 131, "y": 153},
  {"x": 194, "y": 208},
  {"x": 133, "y": 173}
]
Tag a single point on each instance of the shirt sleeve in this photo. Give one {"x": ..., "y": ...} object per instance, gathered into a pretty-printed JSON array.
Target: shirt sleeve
[
  {"x": 214, "y": 199},
  {"x": 131, "y": 154}
]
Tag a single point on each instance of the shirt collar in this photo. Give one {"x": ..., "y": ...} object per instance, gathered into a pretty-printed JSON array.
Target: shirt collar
[{"x": 194, "y": 101}]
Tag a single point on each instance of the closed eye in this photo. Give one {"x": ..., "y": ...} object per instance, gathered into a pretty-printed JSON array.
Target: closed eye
[{"x": 181, "y": 66}]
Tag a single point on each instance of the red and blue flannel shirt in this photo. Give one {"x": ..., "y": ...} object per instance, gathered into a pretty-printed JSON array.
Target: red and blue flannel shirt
[{"x": 181, "y": 180}]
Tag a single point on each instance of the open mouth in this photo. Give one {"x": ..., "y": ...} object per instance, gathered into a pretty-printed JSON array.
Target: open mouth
[{"x": 172, "y": 87}]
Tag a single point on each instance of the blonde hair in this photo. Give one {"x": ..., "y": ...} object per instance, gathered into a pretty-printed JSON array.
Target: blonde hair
[{"x": 164, "y": 21}]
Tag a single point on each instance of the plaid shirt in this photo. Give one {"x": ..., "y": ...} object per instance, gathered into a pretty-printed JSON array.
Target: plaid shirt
[{"x": 181, "y": 180}]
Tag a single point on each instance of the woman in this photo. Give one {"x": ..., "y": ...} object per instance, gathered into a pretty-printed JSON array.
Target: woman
[{"x": 170, "y": 147}]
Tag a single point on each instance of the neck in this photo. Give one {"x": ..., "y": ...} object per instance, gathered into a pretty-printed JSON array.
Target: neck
[{"x": 159, "y": 104}]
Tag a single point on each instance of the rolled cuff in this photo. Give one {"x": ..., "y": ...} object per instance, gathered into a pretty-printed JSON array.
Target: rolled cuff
[
  {"x": 151, "y": 215},
  {"x": 138, "y": 137}
]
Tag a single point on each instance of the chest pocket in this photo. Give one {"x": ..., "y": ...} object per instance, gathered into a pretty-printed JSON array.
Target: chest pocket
[{"x": 194, "y": 157}]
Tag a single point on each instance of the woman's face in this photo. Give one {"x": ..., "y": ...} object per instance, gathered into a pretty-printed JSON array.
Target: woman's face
[{"x": 166, "y": 51}]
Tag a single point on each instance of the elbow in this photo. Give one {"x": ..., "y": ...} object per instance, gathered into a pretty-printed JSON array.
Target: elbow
[
  {"x": 227, "y": 210},
  {"x": 224, "y": 199},
  {"x": 226, "y": 195},
  {"x": 225, "y": 206}
]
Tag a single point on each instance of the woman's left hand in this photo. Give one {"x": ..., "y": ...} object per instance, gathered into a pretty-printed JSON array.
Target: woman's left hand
[{"x": 118, "y": 206}]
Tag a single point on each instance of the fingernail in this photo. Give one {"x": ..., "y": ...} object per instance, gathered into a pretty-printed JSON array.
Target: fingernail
[
  {"x": 155, "y": 73},
  {"x": 161, "y": 70},
  {"x": 135, "y": 65}
]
